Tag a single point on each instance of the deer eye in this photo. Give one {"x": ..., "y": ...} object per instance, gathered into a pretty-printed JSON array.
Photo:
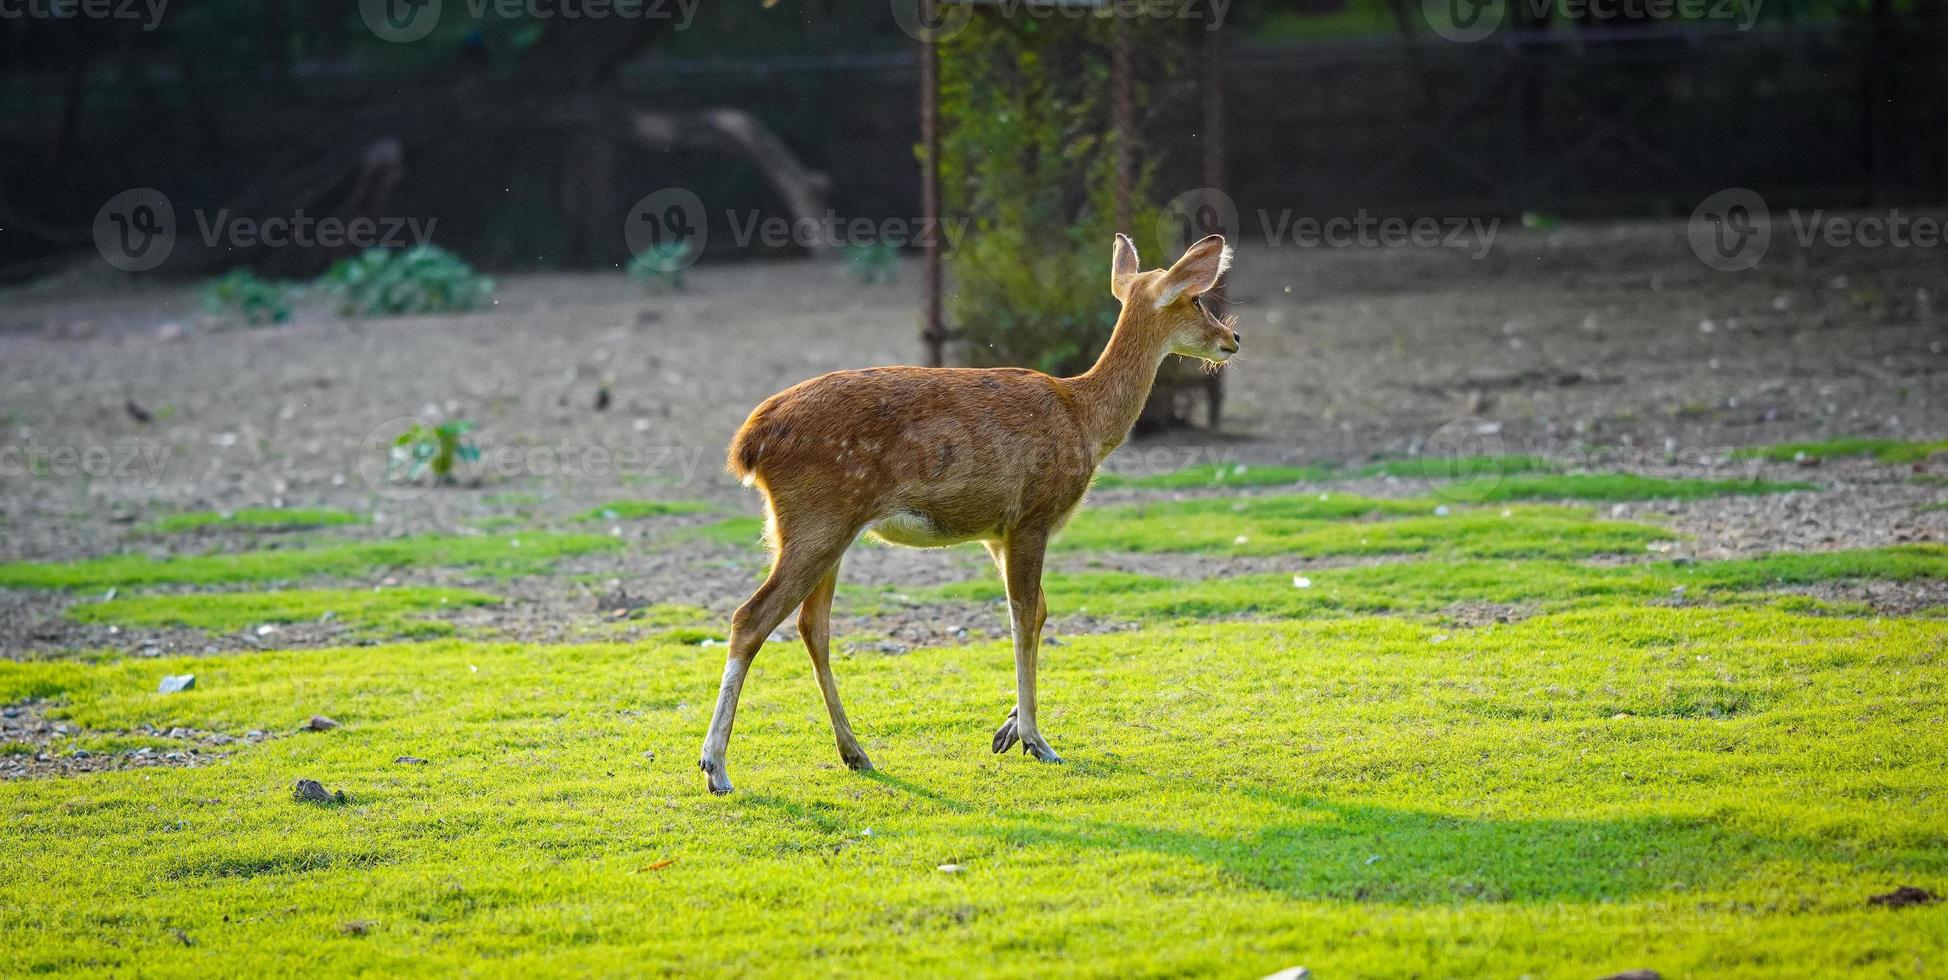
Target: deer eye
[{"x": 1198, "y": 302}]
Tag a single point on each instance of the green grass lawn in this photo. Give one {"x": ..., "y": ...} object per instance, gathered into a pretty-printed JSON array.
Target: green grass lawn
[
  {"x": 1221, "y": 475},
  {"x": 746, "y": 531},
  {"x": 1428, "y": 587},
  {"x": 254, "y": 519},
  {"x": 511, "y": 554},
  {"x": 1706, "y": 792},
  {"x": 1683, "y": 766},
  {"x": 1344, "y": 524},
  {"x": 1884, "y": 450},
  {"x": 385, "y": 612},
  {"x": 1462, "y": 478},
  {"x": 1616, "y": 486}
]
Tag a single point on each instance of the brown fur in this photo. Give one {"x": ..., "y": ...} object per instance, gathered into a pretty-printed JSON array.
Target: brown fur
[{"x": 936, "y": 456}]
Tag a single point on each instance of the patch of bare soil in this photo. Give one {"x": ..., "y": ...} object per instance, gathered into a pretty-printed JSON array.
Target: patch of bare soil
[
  {"x": 1886, "y": 598},
  {"x": 29, "y": 736},
  {"x": 1609, "y": 339},
  {"x": 1903, "y": 897},
  {"x": 1860, "y": 504},
  {"x": 1473, "y": 614}
]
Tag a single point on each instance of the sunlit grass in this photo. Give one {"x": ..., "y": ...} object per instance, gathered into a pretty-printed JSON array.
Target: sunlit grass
[
  {"x": 254, "y": 519},
  {"x": 1343, "y": 524},
  {"x": 387, "y": 612},
  {"x": 1707, "y": 792},
  {"x": 1466, "y": 468},
  {"x": 1468, "y": 478},
  {"x": 490, "y": 555},
  {"x": 1686, "y": 766},
  {"x": 1220, "y": 475},
  {"x": 1619, "y": 486},
  {"x": 747, "y": 531},
  {"x": 1431, "y": 586},
  {"x": 1884, "y": 450}
]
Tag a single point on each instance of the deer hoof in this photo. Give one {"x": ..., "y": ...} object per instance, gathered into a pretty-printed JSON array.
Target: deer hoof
[
  {"x": 1040, "y": 750},
  {"x": 720, "y": 783},
  {"x": 1005, "y": 736},
  {"x": 858, "y": 763}
]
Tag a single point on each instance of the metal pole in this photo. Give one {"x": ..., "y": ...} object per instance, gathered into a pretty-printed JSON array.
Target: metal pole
[
  {"x": 932, "y": 329},
  {"x": 1119, "y": 62},
  {"x": 1213, "y": 92}
]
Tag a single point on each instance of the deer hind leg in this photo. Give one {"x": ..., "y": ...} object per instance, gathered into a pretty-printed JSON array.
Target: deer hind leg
[
  {"x": 815, "y": 628},
  {"x": 804, "y": 557},
  {"x": 1005, "y": 737},
  {"x": 1020, "y": 560}
]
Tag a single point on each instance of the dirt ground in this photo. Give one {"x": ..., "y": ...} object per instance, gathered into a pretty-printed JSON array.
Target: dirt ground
[{"x": 1609, "y": 344}]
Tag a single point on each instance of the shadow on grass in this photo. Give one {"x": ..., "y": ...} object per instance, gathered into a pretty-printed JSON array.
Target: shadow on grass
[{"x": 1321, "y": 849}]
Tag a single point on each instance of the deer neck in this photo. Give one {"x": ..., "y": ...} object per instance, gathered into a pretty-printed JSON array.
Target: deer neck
[{"x": 1110, "y": 395}]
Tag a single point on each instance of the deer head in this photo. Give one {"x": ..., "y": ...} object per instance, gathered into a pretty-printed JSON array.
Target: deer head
[{"x": 1166, "y": 306}]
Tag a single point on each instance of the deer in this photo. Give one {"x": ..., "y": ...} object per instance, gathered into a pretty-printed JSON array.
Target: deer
[{"x": 933, "y": 457}]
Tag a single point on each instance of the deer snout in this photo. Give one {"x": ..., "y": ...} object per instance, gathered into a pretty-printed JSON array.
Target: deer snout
[{"x": 1235, "y": 342}]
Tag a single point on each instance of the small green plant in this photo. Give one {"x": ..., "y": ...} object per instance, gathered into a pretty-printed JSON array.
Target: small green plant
[
  {"x": 1540, "y": 221},
  {"x": 257, "y": 302},
  {"x": 661, "y": 265},
  {"x": 871, "y": 263},
  {"x": 432, "y": 449},
  {"x": 422, "y": 279}
]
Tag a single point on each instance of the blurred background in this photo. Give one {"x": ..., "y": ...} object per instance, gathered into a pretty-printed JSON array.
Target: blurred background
[
  {"x": 267, "y": 238},
  {"x": 530, "y": 127}
]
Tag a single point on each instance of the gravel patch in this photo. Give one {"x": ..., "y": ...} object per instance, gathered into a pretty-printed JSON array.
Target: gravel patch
[
  {"x": 1607, "y": 336},
  {"x": 31, "y": 736}
]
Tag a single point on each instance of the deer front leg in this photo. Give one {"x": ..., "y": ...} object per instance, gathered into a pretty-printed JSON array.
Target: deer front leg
[
  {"x": 1021, "y": 569},
  {"x": 1005, "y": 737}
]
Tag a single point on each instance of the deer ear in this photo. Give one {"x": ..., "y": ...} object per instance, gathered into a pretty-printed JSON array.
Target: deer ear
[
  {"x": 1200, "y": 268},
  {"x": 1122, "y": 268}
]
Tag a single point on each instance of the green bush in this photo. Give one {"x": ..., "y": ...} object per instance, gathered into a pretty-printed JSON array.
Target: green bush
[
  {"x": 661, "y": 265},
  {"x": 1028, "y": 154},
  {"x": 255, "y": 301},
  {"x": 422, "y": 279},
  {"x": 873, "y": 262}
]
